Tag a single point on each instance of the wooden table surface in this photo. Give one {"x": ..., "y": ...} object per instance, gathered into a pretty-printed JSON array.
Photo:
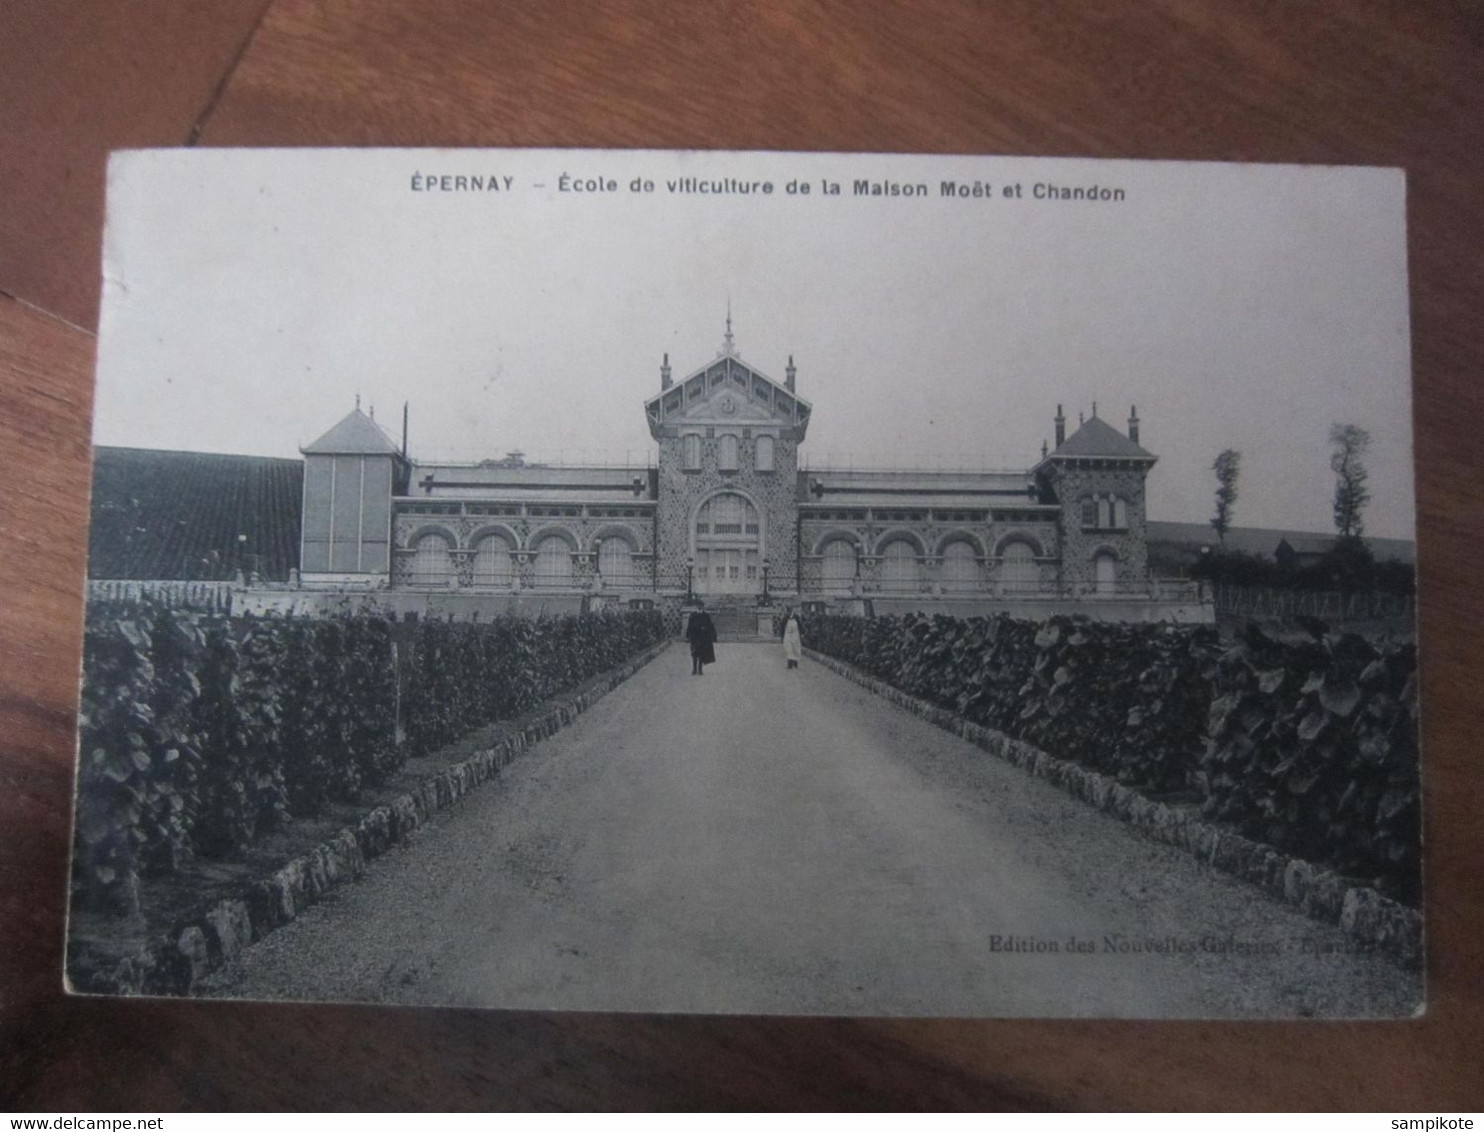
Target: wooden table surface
[{"x": 1373, "y": 83}]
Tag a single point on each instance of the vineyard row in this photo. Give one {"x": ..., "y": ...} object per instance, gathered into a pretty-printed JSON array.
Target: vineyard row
[
  {"x": 199, "y": 733},
  {"x": 1310, "y": 747}
]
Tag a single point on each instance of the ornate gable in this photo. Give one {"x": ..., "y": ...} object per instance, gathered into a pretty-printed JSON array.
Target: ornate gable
[{"x": 728, "y": 391}]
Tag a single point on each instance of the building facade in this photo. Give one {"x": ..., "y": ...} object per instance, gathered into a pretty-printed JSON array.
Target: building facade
[{"x": 727, "y": 512}]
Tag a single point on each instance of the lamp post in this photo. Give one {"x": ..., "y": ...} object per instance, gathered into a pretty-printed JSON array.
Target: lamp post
[
  {"x": 765, "y": 581},
  {"x": 690, "y": 573}
]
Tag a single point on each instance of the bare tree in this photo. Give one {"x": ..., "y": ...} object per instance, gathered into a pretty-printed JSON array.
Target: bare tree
[
  {"x": 1228, "y": 467},
  {"x": 1347, "y": 460}
]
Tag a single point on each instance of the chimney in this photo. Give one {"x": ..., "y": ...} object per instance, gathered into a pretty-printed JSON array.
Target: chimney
[
  {"x": 1061, "y": 428},
  {"x": 665, "y": 373},
  {"x": 1133, "y": 423},
  {"x": 789, "y": 374}
]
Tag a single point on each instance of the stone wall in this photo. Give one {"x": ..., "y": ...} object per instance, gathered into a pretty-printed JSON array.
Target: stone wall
[
  {"x": 773, "y": 493},
  {"x": 1078, "y": 545}
]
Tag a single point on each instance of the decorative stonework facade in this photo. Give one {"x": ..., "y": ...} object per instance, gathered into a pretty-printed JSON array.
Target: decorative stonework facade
[
  {"x": 1115, "y": 534},
  {"x": 1097, "y": 478},
  {"x": 728, "y": 441},
  {"x": 726, "y": 513}
]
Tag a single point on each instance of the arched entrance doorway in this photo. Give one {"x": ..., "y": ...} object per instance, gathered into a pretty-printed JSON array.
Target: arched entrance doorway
[
  {"x": 728, "y": 546},
  {"x": 1105, "y": 574}
]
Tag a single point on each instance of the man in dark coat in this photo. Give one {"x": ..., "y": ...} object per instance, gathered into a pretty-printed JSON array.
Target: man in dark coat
[{"x": 700, "y": 631}]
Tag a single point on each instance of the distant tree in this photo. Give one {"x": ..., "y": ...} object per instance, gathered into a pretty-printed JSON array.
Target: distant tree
[
  {"x": 1347, "y": 460},
  {"x": 1228, "y": 467}
]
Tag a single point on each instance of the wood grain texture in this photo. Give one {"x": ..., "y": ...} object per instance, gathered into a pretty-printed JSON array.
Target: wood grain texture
[
  {"x": 1391, "y": 84},
  {"x": 77, "y": 80}
]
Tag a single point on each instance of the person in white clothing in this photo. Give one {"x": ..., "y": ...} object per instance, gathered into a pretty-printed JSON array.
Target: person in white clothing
[{"x": 793, "y": 648}]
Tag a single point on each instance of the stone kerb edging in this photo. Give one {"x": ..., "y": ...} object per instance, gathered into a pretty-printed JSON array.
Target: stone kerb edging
[
  {"x": 1358, "y": 909},
  {"x": 172, "y": 964}
]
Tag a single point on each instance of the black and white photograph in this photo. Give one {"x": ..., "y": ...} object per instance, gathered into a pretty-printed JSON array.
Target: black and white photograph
[{"x": 752, "y": 583}]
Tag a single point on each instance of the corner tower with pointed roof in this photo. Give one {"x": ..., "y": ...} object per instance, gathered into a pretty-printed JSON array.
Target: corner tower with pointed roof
[
  {"x": 350, "y": 476},
  {"x": 728, "y": 440},
  {"x": 1096, "y": 476}
]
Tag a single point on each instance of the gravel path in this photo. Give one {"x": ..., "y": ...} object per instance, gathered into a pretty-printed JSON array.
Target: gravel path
[{"x": 764, "y": 840}]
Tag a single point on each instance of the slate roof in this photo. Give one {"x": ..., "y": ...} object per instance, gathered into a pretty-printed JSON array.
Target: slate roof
[
  {"x": 900, "y": 488},
  {"x": 532, "y": 483},
  {"x": 355, "y": 435},
  {"x": 1097, "y": 438}
]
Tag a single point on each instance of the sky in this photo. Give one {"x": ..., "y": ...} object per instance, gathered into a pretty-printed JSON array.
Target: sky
[{"x": 250, "y": 296}]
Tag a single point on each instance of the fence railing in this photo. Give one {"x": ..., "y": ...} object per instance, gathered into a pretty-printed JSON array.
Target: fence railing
[
  {"x": 210, "y": 597},
  {"x": 1005, "y": 588},
  {"x": 1327, "y": 605}
]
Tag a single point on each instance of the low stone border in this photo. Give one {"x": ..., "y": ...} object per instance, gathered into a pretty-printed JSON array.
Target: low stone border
[
  {"x": 1358, "y": 909},
  {"x": 171, "y": 965}
]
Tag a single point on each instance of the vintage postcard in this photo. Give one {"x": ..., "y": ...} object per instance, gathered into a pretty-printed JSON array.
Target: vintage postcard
[{"x": 752, "y": 583}]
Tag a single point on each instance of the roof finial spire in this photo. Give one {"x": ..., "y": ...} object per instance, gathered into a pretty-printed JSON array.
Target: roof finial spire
[
  {"x": 358, "y": 402},
  {"x": 729, "y": 348}
]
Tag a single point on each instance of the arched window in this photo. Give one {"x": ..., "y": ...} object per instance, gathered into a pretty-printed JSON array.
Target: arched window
[
  {"x": 431, "y": 565},
  {"x": 1018, "y": 573},
  {"x": 727, "y": 514},
  {"x": 765, "y": 453},
  {"x": 553, "y": 562},
  {"x": 616, "y": 562},
  {"x": 899, "y": 566},
  {"x": 727, "y": 453},
  {"x": 960, "y": 567},
  {"x": 492, "y": 562},
  {"x": 839, "y": 564},
  {"x": 1120, "y": 515},
  {"x": 690, "y": 452},
  {"x": 1090, "y": 513}
]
